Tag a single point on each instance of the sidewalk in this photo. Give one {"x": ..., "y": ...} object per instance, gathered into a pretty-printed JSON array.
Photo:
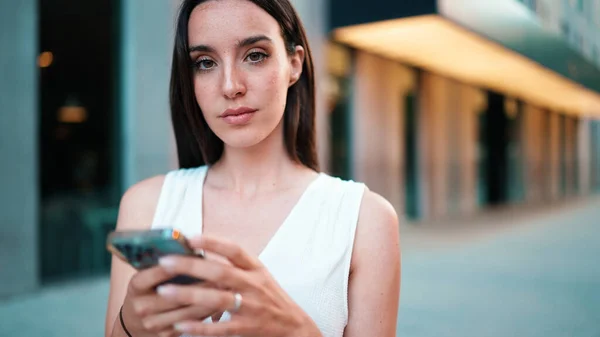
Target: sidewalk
[
  {"x": 449, "y": 231},
  {"x": 505, "y": 273},
  {"x": 74, "y": 309},
  {"x": 512, "y": 274}
]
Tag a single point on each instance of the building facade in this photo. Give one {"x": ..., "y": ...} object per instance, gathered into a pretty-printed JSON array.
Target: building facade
[
  {"x": 457, "y": 133},
  {"x": 84, "y": 115}
]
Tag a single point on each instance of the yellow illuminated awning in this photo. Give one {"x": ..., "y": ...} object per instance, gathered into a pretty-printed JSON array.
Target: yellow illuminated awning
[{"x": 441, "y": 46}]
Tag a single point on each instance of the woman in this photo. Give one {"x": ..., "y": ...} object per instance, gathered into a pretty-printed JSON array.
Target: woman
[{"x": 305, "y": 254}]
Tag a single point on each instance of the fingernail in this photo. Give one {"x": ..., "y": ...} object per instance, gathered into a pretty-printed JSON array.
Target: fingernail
[
  {"x": 165, "y": 290},
  {"x": 182, "y": 327},
  {"x": 167, "y": 262}
]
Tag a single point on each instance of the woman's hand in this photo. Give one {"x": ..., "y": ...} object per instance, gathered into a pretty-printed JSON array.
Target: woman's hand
[
  {"x": 146, "y": 314},
  {"x": 265, "y": 309}
]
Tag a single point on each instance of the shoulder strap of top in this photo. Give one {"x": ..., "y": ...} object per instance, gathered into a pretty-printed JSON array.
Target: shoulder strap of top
[
  {"x": 345, "y": 199},
  {"x": 180, "y": 202}
]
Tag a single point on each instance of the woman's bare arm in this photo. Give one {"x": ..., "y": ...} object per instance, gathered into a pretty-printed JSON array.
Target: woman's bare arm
[
  {"x": 374, "y": 289},
  {"x": 135, "y": 213}
]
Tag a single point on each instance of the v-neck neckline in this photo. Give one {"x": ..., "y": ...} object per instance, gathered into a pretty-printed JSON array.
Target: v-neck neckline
[{"x": 284, "y": 223}]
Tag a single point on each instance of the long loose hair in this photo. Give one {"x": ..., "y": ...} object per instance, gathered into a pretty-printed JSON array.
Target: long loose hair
[{"x": 197, "y": 144}]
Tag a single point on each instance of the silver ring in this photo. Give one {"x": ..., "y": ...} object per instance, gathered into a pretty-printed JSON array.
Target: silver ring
[{"x": 237, "y": 302}]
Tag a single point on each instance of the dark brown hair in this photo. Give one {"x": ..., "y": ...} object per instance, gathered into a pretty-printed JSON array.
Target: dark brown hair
[{"x": 197, "y": 144}]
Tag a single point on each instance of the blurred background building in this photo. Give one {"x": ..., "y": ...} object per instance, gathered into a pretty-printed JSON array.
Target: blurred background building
[{"x": 444, "y": 107}]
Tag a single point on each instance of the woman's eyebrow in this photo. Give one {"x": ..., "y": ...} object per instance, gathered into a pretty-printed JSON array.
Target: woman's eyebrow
[
  {"x": 242, "y": 43},
  {"x": 253, "y": 39}
]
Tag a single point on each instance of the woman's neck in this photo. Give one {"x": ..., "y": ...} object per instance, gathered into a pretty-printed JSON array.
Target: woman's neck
[{"x": 264, "y": 167}]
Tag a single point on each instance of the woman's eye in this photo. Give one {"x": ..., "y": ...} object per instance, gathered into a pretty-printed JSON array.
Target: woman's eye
[
  {"x": 256, "y": 57},
  {"x": 205, "y": 64}
]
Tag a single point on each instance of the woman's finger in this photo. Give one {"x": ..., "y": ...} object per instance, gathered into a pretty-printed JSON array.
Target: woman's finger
[
  {"x": 151, "y": 304},
  {"x": 169, "y": 333},
  {"x": 232, "y": 251},
  {"x": 146, "y": 280},
  {"x": 229, "y": 328},
  {"x": 164, "y": 322},
  {"x": 215, "y": 272},
  {"x": 215, "y": 299}
]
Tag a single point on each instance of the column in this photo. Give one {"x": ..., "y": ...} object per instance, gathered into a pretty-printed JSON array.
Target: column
[
  {"x": 18, "y": 147},
  {"x": 533, "y": 156},
  {"x": 377, "y": 131},
  {"x": 583, "y": 155},
  {"x": 554, "y": 152},
  {"x": 570, "y": 155},
  {"x": 453, "y": 120},
  {"x": 148, "y": 145},
  {"x": 596, "y": 154},
  {"x": 313, "y": 14},
  {"x": 433, "y": 141},
  {"x": 471, "y": 102}
]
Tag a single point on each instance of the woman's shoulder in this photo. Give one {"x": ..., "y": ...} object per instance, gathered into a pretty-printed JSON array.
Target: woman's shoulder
[
  {"x": 342, "y": 183},
  {"x": 373, "y": 206},
  {"x": 378, "y": 226},
  {"x": 376, "y": 213},
  {"x": 377, "y": 234},
  {"x": 139, "y": 203},
  {"x": 377, "y": 223},
  {"x": 376, "y": 207}
]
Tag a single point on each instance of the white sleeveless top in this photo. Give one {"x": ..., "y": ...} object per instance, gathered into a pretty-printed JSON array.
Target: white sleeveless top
[{"x": 309, "y": 255}]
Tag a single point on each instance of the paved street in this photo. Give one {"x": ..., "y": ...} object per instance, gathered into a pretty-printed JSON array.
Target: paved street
[
  {"x": 533, "y": 273},
  {"x": 530, "y": 275}
]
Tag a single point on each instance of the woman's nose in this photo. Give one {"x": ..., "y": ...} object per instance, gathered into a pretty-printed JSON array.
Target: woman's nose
[{"x": 233, "y": 83}]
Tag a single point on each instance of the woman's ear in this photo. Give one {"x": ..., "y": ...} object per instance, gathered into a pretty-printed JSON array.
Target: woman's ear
[{"x": 296, "y": 62}]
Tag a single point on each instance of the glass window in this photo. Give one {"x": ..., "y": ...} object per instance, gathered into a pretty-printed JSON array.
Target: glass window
[
  {"x": 78, "y": 136},
  {"x": 411, "y": 166}
]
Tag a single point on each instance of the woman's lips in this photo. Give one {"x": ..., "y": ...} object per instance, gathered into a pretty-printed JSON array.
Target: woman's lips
[{"x": 238, "y": 116}]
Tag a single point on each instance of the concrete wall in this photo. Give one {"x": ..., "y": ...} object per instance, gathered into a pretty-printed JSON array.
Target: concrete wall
[
  {"x": 584, "y": 27},
  {"x": 314, "y": 14},
  {"x": 580, "y": 28},
  {"x": 147, "y": 38},
  {"x": 18, "y": 147}
]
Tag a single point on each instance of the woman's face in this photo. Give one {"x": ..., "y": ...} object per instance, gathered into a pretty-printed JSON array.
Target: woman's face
[{"x": 242, "y": 70}]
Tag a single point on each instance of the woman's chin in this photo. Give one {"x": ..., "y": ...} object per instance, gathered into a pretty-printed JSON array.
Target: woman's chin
[
  {"x": 242, "y": 141},
  {"x": 249, "y": 136}
]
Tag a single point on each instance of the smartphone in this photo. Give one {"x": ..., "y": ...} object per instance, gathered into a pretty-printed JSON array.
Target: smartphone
[{"x": 142, "y": 249}]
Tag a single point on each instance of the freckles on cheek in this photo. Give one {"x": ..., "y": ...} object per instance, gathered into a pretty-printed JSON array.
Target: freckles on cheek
[
  {"x": 199, "y": 87},
  {"x": 200, "y": 91},
  {"x": 273, "y": 78},
  {"x": 276, "y": 84}
]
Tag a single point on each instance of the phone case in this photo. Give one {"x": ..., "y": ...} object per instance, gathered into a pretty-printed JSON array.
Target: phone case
[{"x": 142, "y": 249}]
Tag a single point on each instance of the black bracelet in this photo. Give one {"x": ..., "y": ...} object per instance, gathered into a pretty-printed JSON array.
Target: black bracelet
[{"x": 123, "y": 323}]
